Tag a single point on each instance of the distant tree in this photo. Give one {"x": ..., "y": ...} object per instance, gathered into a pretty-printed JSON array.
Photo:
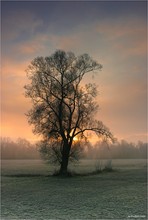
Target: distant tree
[
  {"x": 62, "y": 109},
  {"x": 117, "y": 150},
  {"x": 20, "y": 149}
]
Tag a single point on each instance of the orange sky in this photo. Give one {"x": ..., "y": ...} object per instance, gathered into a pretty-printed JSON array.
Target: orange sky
[{"x": 114, "y": 34}]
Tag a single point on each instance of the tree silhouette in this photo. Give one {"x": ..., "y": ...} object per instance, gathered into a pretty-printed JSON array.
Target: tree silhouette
[{"x": 63, "y": 109}]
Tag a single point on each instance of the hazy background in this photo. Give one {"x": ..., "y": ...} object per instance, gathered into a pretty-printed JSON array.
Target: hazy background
[
  {"x": 23, "y": 149},
  {"x": 113, "y": 33}
]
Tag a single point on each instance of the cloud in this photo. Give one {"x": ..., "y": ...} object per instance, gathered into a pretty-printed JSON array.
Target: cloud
[
  {"x": 129, "y": 36},
  {"x": 33, "y": 46},
  {"x": 13, "y": 108},
  {"x": 19, "y": 23},
  {"x": 123, "y": 107},
  {"x": 118, "y": 44},
  {"x": 12, "y": 82}
]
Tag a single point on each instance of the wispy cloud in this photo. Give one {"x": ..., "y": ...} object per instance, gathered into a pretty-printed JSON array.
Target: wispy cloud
[{"x": 19, "y": 24}]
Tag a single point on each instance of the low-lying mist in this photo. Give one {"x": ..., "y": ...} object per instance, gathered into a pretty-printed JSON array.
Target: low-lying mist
[
  {"x": 119, "y": 150},
  {"x": 23, "y": 149}
]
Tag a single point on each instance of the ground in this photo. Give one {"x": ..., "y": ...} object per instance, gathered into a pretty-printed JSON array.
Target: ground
[{"x": 29, "y": 193}]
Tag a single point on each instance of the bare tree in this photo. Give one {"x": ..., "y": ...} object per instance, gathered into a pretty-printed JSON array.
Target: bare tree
[{"x": 63, "y": 109}]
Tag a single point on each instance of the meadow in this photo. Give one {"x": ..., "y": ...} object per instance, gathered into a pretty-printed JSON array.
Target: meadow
[{"x": 29, "y": 191}]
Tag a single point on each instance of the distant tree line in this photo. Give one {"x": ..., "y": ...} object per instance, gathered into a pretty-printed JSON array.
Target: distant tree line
[
  {"x": 20, "y": 149},
  {"x": 119, "y": 150},
  {"x": 23, "y": 149}
]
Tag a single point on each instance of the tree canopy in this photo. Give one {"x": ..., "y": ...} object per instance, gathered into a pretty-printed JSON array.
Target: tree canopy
[{"x": 63, "y": 109}]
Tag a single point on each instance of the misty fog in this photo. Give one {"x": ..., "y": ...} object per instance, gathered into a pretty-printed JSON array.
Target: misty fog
[{"x": 23, "y": 149}]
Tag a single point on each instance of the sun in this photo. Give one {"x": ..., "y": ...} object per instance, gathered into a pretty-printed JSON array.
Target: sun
[{"x": 75, "y": 139}]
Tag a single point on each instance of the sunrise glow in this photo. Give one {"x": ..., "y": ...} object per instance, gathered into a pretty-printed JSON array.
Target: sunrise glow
[
  {"x": 75, "y": 139},
  {"x": 113, "y": 33}
]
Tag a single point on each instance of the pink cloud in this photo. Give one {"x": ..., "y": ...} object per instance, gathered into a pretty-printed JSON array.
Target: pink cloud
[
  {"x": 12, "y": 82},
  {"x": 121, "y": 28},
  {"x": 33, "y": 46},
  {"x": 127, "y": 36},
  {"x": 69, "y": 42}
]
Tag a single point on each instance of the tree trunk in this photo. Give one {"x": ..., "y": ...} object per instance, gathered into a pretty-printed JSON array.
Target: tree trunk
[{"x": 65, "y": 159}]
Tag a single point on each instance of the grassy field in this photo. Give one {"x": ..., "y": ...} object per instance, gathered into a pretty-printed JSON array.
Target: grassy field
[{"x": 27, "y": 192}]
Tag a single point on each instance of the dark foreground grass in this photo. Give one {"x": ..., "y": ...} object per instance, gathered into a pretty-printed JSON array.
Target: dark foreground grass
[
  {"x": 56, "y": 173},
  {"x": 111, "y": 195}
]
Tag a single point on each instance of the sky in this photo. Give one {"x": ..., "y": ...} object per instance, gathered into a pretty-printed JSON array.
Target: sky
[{"x": 112, "y": 32}]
